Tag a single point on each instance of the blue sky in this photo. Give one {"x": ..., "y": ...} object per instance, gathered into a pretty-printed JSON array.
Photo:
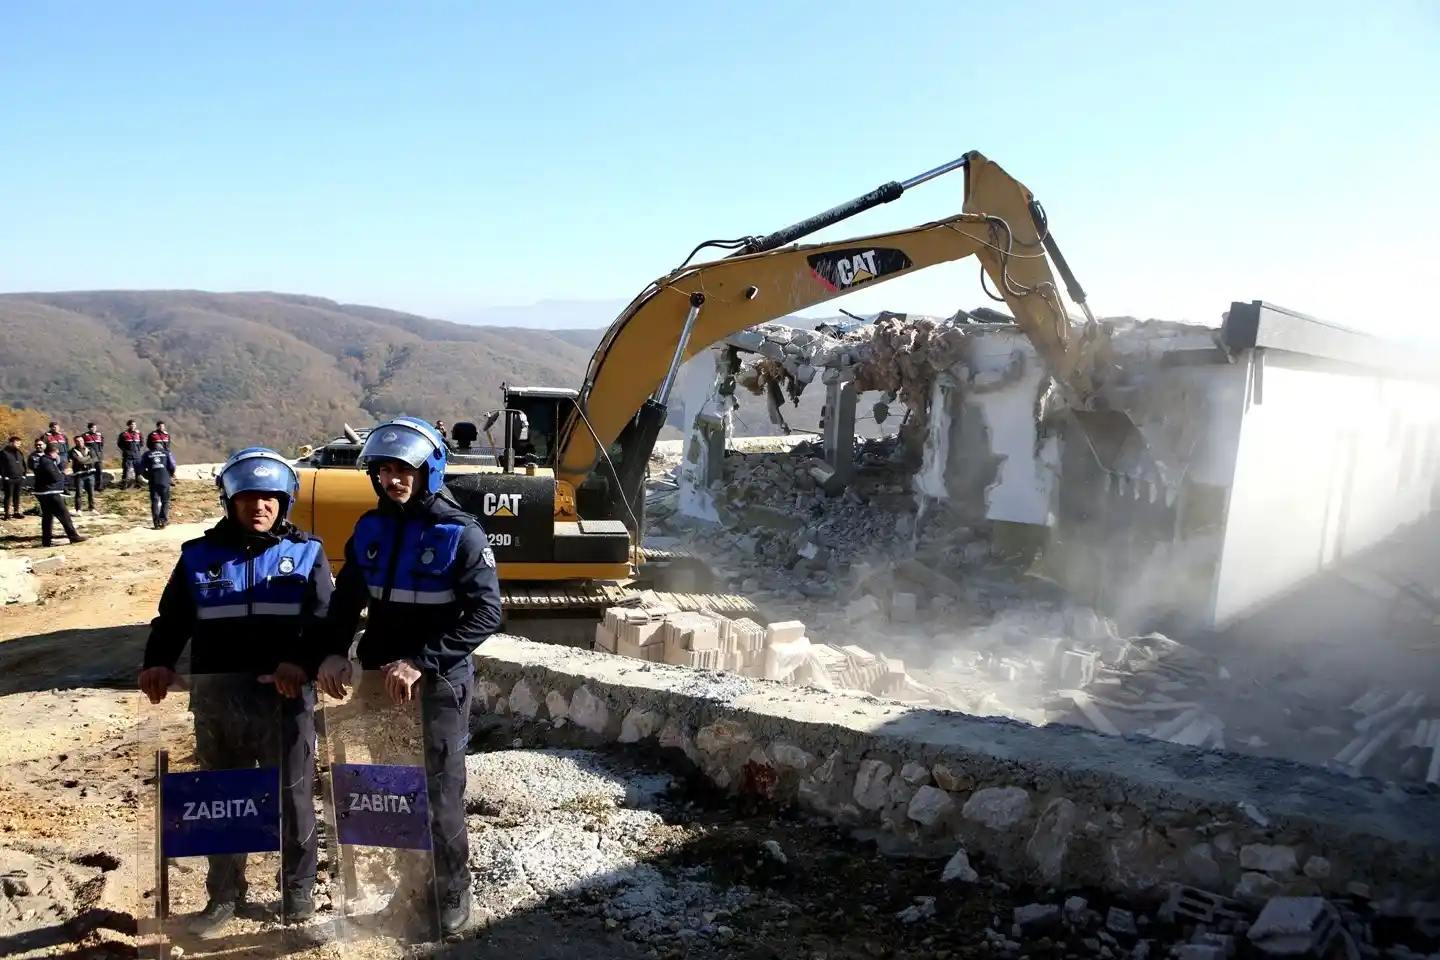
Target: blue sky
[{"x": 438, "y": 157}]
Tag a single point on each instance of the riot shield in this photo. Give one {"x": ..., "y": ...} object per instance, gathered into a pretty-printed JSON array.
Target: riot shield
[
  {"x": 227, "y": 816},
  {"x": 378, "y": 811}
]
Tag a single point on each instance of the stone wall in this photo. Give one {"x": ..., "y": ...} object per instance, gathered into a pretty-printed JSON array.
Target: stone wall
[{"x": 1058, "y": 806}]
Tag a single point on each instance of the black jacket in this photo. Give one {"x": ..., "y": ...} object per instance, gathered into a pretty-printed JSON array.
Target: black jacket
[
  {"x": 427, "y": 575},
  {"x": 12, "y": 464},
  {"x": 261, "y": 573},
  {"x": 48, "y": 476},
  {"x": 158, "y": 467}
]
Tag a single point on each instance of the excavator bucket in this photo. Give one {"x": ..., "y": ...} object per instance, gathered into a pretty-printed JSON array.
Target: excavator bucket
[{"x": 1119, "y": 446}]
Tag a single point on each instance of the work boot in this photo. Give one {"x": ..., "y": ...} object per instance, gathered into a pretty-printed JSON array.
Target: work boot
[
  {"x": 208, "y": 922},
  {"x": 455, "y": 914},
  {"x": 79, "y": 538},
  {"x": 297, "y": 906}
]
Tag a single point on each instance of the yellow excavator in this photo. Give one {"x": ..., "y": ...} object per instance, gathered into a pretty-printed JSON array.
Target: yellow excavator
[{"x": 564, "y": 501}]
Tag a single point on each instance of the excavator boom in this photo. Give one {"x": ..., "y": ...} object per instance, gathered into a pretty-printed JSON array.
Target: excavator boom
[{"x": 686, "y": 311}]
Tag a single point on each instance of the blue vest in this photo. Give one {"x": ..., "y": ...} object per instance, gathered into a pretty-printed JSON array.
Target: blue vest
[
  {"x": 422, "y": 558},
  {"x": 225, "y": 583}
]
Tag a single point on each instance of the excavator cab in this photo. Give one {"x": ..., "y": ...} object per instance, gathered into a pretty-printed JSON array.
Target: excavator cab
[{"x": 534, "y": 418}]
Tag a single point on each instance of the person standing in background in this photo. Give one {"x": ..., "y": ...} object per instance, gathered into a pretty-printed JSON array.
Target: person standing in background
[
  {"x": 53, "y": 434},
  {"x": 82, "y": 466},
  {"x": 132, "y": 448},
  {"x": 95, "y": 440},
  {"x": 161, "y": 435},
  {"x": 37, "y": 453},
  {"x": 159, "y": 470},
  {"x": 50, "y": 491},
  {"x": 12, "y": 478},
  {"x": 56, "y": 436}
]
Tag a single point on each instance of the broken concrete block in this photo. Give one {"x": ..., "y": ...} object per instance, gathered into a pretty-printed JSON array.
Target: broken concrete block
[
  {"x": 1268, "y": 858},
  {"x": 903, "y": 607},
  {"x": 862, "y": 607},
  {"x": 783, "y": 659},
  {"x": 784, "y": 632},
  {"x": 17, "y": 583},
  {"x": 1296, "y": 927},
  {"x": 1077, "y": 668}
]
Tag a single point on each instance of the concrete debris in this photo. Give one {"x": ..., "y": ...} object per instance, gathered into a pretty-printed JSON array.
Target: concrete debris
[
  {"x": 17, "y": 581},
  {"x": 1296, "y": 927},
  {"x": 958, "y": 868}
]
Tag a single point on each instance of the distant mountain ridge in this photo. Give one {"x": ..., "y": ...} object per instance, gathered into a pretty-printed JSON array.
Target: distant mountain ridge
[{"x": 227, "y": 370}]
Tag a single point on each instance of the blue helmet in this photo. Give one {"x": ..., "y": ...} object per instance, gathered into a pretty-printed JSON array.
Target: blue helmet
[
  {"x": 412, "y": 441},
  {"x": 258, "y": 470}
]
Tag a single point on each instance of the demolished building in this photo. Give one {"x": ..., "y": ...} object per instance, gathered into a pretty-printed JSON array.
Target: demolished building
[{"x": 1278, "y": 445}]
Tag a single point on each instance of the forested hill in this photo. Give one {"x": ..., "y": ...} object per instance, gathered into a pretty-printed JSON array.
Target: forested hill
[{"x": 226, "y": 370}]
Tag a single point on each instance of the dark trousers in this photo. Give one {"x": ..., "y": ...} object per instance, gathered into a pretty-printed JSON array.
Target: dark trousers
[
  {"x": 52, "y": 508},
  {"x": 100, "y": 477},
  {"x": 10, "y": 495},
  {"x": 129, "y": 472},
  {"x": 85, "y": 483},
  {"x": 445, "y": 713},
  {"x": 159, "y": 505},
  {"x": 237, "y": 728}
]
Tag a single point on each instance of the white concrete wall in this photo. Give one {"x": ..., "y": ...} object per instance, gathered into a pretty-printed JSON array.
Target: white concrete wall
[
  {"x": 1328, "y": 463},
  {"x": 986, "y": 387},
  {"x": 1023, "y": 489}
]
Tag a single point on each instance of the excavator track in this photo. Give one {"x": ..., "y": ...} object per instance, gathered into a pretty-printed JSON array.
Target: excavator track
[
  {"x": 566, "y": 612},
  {"x": 519, "y": 600}
]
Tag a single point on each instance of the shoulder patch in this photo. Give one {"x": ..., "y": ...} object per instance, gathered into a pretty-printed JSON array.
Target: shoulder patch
[{"x": 487, "y": 557}]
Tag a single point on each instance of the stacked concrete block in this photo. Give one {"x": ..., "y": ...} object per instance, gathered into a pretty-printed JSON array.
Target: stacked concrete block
[
  {"x": 865, "y": 669},
  {"x": 892, "y": 677},
  {"x": 692, "y": 639},
  {"x": 831, "y": 662},
  {"x": 748, "y": 641},
  {"x": 631, "y": 632},
  {"x": 781, "y": 651}
]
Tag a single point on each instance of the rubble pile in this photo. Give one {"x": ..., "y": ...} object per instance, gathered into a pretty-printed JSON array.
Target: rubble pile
[{"x": 898, "y": 355}]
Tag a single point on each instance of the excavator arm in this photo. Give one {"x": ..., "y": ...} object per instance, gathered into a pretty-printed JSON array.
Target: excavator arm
[{"x": 686, "y": 311}]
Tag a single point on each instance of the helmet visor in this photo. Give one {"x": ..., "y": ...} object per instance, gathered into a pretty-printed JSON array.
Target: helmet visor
[
  {"x": 395, "y": 441},
  {"x": 258, "y": 475}
]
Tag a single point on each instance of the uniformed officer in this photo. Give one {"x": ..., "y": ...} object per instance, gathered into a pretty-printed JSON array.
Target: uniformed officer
[
  {"x": 95, "y": 440},
  {"x": 132, "y": 448},
  {"x": 243, "y": 595},
  {"x": 424, "y": 568}
]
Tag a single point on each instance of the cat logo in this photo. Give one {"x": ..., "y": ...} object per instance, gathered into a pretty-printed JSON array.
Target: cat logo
[
  {"x": 501, "y": 504},
  {"x": 846, "y": 269}
]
